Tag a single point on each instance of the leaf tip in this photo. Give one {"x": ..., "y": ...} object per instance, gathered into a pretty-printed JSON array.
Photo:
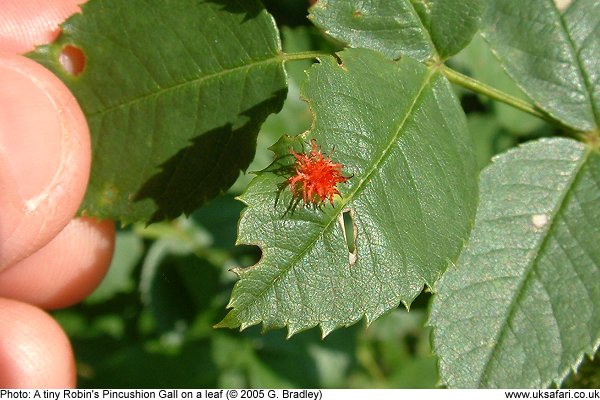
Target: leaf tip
[
  {"x": 225, "y": 323},
  {"x": 326, "y": 328},
  {"x": 238, "y": 271},
  {"x": 245, "y": 325},
  {"x": 290, "y": 332}
]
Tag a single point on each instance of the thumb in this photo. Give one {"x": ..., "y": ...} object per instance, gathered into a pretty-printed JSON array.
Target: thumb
[{"x": 44, "y": 157}]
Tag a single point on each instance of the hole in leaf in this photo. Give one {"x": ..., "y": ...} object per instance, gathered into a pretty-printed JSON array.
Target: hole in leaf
[
  {"x": 339, "y": 61},
  {"x": 72, "y": 60},
  {"x": 350, "y": 231},
  {"x": 349, "y": 228}
]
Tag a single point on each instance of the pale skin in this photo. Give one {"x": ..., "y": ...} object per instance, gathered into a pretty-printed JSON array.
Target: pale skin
[{"x": 48, "y": 258}]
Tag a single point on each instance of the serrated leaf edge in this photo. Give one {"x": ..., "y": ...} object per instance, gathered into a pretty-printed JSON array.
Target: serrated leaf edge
[
  {"x": 434, "y": 52},
  {"x": 589, "y": 352},
  {"x": 431, "y": 71}
]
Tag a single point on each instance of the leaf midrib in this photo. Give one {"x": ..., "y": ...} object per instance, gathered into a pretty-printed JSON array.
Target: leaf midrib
[
  {"x": 435, "y": 54},
  {"x": 531, "y": 267},
  {"x": 346, "y": 199},
  {"x": 583, "y": 79},
  {"x": 583, "y": 73},
  {"x": 276, "y": 58}
]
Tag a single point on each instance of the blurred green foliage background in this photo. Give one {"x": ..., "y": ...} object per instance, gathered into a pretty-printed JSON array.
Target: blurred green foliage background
[{"x": 149, "y": 324}]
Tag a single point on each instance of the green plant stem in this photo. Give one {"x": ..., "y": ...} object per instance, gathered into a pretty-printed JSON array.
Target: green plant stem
[
  {"x": 456, "y": 78},
  {"x": 480, "y": 87},
  {"x": 303, "y": 55}
]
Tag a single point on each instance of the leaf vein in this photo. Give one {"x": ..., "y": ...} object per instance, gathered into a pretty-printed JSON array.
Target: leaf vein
[
  {"x": 197, "y": 81},
  {"x": 533, "y": 264},
  {"x": 583, "y": 73},
  {"x": 360, "y": 185}
]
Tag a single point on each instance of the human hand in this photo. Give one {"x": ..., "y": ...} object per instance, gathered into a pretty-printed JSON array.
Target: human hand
[{"x": 47, "y": 258}]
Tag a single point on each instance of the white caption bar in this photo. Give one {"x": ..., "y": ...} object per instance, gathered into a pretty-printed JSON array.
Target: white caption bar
[{"x": 308, "y": 394}]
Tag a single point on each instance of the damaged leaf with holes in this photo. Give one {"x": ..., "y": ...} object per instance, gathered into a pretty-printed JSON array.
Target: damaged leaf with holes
[
  {"x": 404, "y": 214},
  {"x": 174, "y": 93}
]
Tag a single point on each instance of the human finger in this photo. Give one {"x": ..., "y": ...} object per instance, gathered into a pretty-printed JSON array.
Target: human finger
[
  {"x": 64, "y": 271},
  {"x": 35, "y": 353},
  {"x": 25, "y": 24},
  {"x": 44, "y": 157}
]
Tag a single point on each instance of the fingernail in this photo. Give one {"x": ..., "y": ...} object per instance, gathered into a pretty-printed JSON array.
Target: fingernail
[
  {"x": 30, "y": 130},
  {"x": 44, "y": 157}
]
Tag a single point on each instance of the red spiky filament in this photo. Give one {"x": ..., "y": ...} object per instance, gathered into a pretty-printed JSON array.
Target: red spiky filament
[{"x": 316, "y": 177}]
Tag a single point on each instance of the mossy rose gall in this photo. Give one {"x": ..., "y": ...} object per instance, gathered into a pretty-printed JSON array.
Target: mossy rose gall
[{"x": 315, "y": 176}]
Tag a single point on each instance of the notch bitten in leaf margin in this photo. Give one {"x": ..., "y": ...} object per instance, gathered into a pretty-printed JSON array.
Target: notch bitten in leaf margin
[
  {"x": 399, "y": 130},
  {"x": 174, "y": 93},
  {"x": 424, "y": 30}
]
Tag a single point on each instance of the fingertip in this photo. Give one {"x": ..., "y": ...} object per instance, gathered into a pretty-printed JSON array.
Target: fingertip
[
  {"x": 34, "y": 350},
  {"x": 45, "y": 157},
  {"x": 66, "y": 270},
  {"x": 25, "y": 24}
]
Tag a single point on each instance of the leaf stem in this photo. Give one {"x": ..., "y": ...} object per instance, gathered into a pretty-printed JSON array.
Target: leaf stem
[
  {"x": 303, "y": 55},
  {"x": 493, "y": 93},
  {"x": 458, "y": 79}
]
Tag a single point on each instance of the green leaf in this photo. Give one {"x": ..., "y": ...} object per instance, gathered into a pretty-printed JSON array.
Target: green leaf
[
  {"x": 410, "y": 200},
  {"x": 554, "y": 57},
  {"x": 294, "y": 117},
  {"x": 480, "y": 63},
  {"x": 174, "y": 92},
  {"x": 453, "y": 24},
  {"x": 523, "y": 306},
  {"x": 417, "y": 28},
  {"x": 391, "y": 27}
]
